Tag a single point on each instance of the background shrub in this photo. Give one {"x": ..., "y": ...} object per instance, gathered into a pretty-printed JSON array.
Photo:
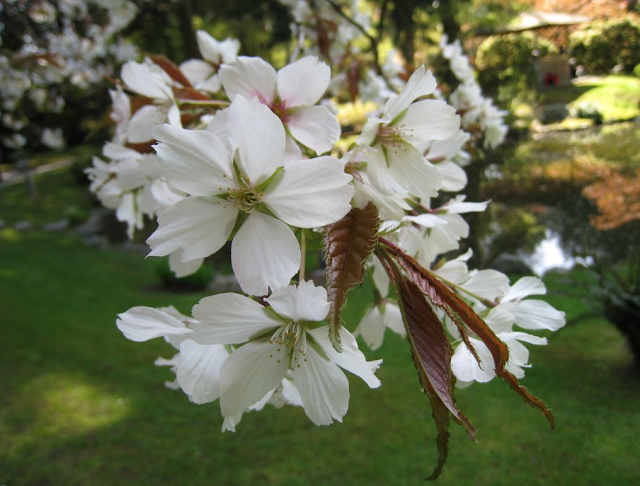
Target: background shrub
[
  {"x": 507, "y": 59},
  {"x": 601, "y": 46}
]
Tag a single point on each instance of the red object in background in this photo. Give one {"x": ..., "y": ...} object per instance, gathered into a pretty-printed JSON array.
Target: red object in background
[{"x": 551, "y": 79}]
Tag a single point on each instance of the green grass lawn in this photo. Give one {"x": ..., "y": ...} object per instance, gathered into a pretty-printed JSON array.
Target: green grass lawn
[{"x": 81, "y": 405}]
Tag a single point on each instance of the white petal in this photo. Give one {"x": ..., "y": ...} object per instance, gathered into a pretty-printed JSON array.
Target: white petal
[
  {"x": 465, "y": 367},
  {"x": 230, "y": 319},
  {"x": 303, "y": 82},
  {"x": 148, "y": 80},
  {"x": 323, "y": 388},
  {"x": 537, "y": 314},
  {"x": 380, "y": 277},
  {"x": 292, "y": 152},
  {"x": 315, "y": 127},
  {"x": 264, "y": 254},
  {"x": 487, "y": 283},
  {"x": 183, "y": 269},
  {"x": 428, "y": 120},
  {"x": 194, "y": 161},
  {"x": 500, "y": 319},
  {"x": 454, "y": 271},
  {"x": 351, "y": 358},
  {"x": 454, "y": 178},
  {"x": 129, "y": 212},
  {"x": 372, "y": 328},
  {"x": 369, "y": 131},
  {"x": 199, "y": 227},
  {"x": 229, "y": 50},
  {"x": 458, "y": 206},
  {"x": 449, "y": 147},
  {"x": 249, "y": 77},
  {"x": 196, "y": 70},
  {"x": 421, "y": 83},
  {"x": 199, "y": 370},
  {"x": 311, "y": 193},
  {"x": 427, "y": 220},
  {"x": 412, "y": 171},
  {"x": 523, "y": 288},
  {"x": 249, "y": 374},
  {"x": 259, "y": 137},
  {"x": 209, "y": 47},
  {"x": 303, "y": 302},
  {"x": 144, "y": 121},
  {"x": 211, "y": 84},
  {"x": 144, "y": 323},
  {"x": 393, "y": 319}
]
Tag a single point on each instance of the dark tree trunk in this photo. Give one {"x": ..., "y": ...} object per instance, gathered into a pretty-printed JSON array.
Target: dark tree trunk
[{"x": 190, "y": 45}]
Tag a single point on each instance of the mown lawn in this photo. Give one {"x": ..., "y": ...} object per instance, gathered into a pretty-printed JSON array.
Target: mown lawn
[{"x": 81, "y": 405}]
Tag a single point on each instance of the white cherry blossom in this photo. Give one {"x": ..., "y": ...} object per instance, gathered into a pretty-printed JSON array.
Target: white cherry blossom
[{"x": 280, "y": 339}]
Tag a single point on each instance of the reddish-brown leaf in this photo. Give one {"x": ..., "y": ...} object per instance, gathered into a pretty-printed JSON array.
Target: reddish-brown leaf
[
  {"x": 431, "y": 353},
  {"x": 430, "y": 347},
  {"x": 449, "y": 301},
  {"x": 171, "y": 69},
  {"x": 347, "y": 245}
]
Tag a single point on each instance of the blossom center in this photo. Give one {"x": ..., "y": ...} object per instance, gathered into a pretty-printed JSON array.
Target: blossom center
[
  {"x": 245, "y": 198},
  {"x": 390, "y": 136},
  {"x": 293, "y": 337},
  {"x": 279, "y": 108}
]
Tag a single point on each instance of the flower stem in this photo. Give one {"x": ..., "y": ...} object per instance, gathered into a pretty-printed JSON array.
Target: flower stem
[{"x": 303, "y": 254}]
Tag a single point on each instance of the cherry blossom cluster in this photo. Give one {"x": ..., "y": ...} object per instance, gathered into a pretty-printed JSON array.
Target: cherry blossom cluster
[
  {"x": 52, "y": 53},
  {"x": 479, "y": 115},
  {"x": 227, "y": 149}
]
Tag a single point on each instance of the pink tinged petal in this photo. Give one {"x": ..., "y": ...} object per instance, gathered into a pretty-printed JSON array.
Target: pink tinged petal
[
  {"x": 454, "y": 178},
  {"x": 231, "y": 319},
  {"x": 413, "y": 172},
  {"x": 488, "y": 284},
  {"x": 183, "y": 269},
  {"x": 144, "y": 323},
  {"x": 323, "y": 387},
  {"x": 304, "y": 302},
  {"x": 198, "y": 227},
  {"x": 523, "y": 288},
  {"x": 144, "y": 121},
  {"x": 371, "y": 328},
  {"x": 292, "y": 152},
  {"x": 465, "y": 367},
  {"x": 537, "y": 314},
  {"x": 311, "y": 193},
  {"x": 303, "y": 82},
  {"x": 249, "y": 374},
  {"x": 259, "y": 137},
  {"x": 199, "y": 370},
  {"x": 428, "y": 120},
  {"x": 194, "y": 161},
  {"x": 249, "y": 77},
  {"x": 421, "y": 83},
  {"x": 315, "y": 127},
  {"x": 196, "y": 71},
  {"x": 264, "y": 254},
  {"x": 351, "y": 358}
]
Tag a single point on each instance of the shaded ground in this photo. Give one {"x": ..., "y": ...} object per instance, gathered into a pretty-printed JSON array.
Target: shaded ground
[{"x": 82, "y": 405}]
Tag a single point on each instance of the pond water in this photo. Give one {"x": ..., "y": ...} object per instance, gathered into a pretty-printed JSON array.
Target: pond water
[{"x": 539, "y": 212}]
